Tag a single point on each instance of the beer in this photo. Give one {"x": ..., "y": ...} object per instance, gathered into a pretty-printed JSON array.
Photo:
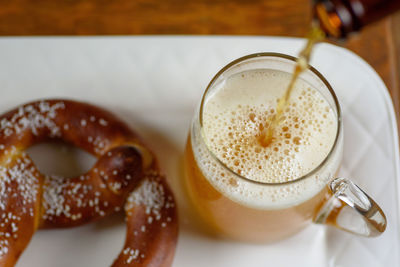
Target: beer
[{"x": 243, "y": 189}]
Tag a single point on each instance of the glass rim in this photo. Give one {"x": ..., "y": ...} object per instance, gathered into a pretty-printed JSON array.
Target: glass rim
[{"x": 293, "y": 59}]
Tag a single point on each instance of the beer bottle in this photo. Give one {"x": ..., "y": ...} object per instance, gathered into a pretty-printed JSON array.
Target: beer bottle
[{"x": 338, "y": 18}]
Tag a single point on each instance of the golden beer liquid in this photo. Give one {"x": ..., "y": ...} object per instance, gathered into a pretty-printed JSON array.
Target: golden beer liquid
[{"x": 276, "y": 217}]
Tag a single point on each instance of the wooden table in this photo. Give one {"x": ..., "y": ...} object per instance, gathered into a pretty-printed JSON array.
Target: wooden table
[{"x": 379, "y": 44}]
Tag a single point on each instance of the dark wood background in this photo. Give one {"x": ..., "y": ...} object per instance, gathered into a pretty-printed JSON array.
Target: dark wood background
[{"x": 378, "y": 44}]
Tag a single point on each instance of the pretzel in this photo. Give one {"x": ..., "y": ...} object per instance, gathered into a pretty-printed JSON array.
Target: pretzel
[{"x": 126, "y": 175}]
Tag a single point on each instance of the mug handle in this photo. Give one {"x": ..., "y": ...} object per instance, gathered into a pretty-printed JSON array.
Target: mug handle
[{"x": 350, "y": 209}]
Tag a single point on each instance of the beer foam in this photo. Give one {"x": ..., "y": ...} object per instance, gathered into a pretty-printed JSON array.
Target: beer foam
[{"x": 234, "y": 118}]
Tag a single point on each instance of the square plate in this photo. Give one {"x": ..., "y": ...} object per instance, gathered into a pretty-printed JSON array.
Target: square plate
[{"x": 155, "y": 83}]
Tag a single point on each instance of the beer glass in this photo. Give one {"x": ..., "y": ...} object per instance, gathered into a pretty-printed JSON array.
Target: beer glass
[{"x": 244, "y": 191}]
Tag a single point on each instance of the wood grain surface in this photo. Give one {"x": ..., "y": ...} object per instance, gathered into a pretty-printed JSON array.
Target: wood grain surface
[{"x": 378, "y": 44}]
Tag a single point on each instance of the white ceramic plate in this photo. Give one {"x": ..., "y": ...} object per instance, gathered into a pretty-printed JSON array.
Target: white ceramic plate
[{"x": 154, "y": 83}]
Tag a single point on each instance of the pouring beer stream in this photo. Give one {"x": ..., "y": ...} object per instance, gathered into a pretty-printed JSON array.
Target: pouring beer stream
[{"x": 314, "y": 36}]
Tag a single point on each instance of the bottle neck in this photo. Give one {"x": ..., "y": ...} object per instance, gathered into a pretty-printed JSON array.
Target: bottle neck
[{"x": 339, "y": 18}]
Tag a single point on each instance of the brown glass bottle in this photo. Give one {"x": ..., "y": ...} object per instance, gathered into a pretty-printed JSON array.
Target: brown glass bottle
[{"x": 338, "y": 18}]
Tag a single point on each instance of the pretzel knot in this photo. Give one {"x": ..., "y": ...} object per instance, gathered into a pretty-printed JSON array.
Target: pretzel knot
[{"x": 126, "y": 175}]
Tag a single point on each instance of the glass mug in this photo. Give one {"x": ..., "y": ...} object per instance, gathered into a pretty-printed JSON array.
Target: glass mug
[{"x": 246, "y": 191}]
